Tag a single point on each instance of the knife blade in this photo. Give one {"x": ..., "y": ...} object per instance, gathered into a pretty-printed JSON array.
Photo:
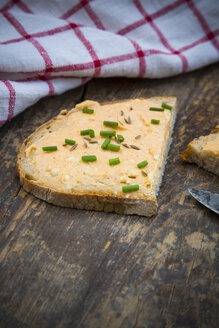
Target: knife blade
[{"x": 207, "y": 198}]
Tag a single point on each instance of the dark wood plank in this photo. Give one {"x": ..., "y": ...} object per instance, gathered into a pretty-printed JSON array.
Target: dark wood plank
[{"x": 69, "y": 268}]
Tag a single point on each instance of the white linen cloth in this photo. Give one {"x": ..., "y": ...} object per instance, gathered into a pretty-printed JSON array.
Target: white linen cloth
[{"x": 48, "y": 47}]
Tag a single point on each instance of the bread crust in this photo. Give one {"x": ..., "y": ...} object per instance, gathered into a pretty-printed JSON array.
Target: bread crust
[
  {"x": 97, "y": 201},
  {"x": 194, "y": 154}
]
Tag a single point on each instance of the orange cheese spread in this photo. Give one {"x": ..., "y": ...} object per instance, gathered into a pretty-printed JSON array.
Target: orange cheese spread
[
  {"x": 64, "y": 170},
  {"x": 212, "y": 146}
]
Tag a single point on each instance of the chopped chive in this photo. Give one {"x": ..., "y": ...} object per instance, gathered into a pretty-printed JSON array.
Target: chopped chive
[
  {"x": 113, "y": 147},
  {"x": 155, "y": 121},
  {"x": 91, "y": 133},
  {"x": 142, "y": 164},
  {"x": 130, "y": 188},
  {"x": 107, "y": 133},
  {"x": 164, "y": 105},
  {"x": 105, "y": 143},
  {"x": 114, "y": 161},
  {"x": 87, "y": 110},
  {"x": 50, "y": 148},
  {"x": 120, "y": 137},
  {"x": 69, "y": 141},
  {"x": 91, "y": 158},
  {"x": 84, "y": 132},
  {"x": 110, "y": 123},
  {"x": 156, "y": 109}
]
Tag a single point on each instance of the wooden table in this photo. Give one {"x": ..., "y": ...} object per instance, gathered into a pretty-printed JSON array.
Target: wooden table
[{"x": 62, "y": 267}]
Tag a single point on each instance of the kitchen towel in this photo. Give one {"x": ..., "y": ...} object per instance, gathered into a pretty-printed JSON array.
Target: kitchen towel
[{"x": 48, "y": 47}]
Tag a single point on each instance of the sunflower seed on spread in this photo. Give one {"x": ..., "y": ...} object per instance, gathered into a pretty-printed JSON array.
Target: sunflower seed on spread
[
  {"x": 134, "y": 147},
  {"x": 85, "y": 144},
  {"x": 87, "y": 138},
  {"x": 128, "y": 120},
  {"x": 144, "y": 173},
  {"x": 122, "y": 113},
  {"x": 73, "y": 147},
  {"x": 120, "y": 123},
  {"x": 125, "y": 145},
  {"x": 131, "y": 108},
  {"x": 93, "y": 141},
  {"x": 116, "y": 139},
  {"x": 138, "y": 136}
]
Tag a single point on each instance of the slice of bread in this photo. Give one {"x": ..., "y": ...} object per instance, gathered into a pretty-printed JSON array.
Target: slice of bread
[
  {"x": 204, "y": 151},
  {"x": 61, "y": 177}
]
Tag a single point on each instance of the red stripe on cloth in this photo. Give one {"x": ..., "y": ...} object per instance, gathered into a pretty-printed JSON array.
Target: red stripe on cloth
[
  {"x": 202, "y": 40},
  {"x": 51, "y": 88},
  {"x": 90, "y": 65},
  {"x": 98, "y": 23},
  {"x": 167, "y": 9},
  {"x": 210, "y": 35},
  {"x": 153, "y": 16},
  {"x": 161, "y": 36},
  {"x": 131, "y": 27},
  {"x": 112, "y": 60},
  {"x": 74, "y": 9},
  {"x": 94, "y": 17},
  {"x": 140, "y": 54},
  {"x": 36, "y": 44},
  {"x": 44, "y": 54},
  {"x": 66, "y": 68},
  {"x": 12, "y": 98},
  {"x": 81, "y": 37},
  {"x": 42, "y": 78},
  {"x": 44, "y": 33},
  {"x": 8, "y": 5},
  {"x": 24, "y": 7},
  {"x": 49, "y": 83},
  {"x": 87, "y": 44}
]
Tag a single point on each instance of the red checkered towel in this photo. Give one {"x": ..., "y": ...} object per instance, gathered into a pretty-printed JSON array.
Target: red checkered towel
[{"x": 48, "y": 47}]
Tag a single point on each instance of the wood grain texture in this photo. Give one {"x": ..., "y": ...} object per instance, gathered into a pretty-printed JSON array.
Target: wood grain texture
[{"x": 62, "y": 267}]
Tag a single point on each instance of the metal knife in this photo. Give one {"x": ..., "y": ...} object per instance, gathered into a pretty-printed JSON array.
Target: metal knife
[{"x": 207, "y": 198}]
